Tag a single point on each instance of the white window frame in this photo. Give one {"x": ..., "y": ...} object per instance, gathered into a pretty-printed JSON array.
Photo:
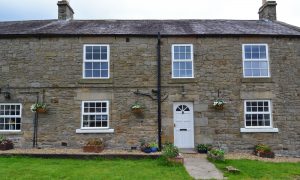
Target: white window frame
[
  {"x": 83, "y": 113},
  {"x": 13, "y": 116},
  {"x": 85, "y": 60},
  {"x": 173, "y": 60},
  {"x": 258, "y": 60},
  {"x": 259, "y": 128}
]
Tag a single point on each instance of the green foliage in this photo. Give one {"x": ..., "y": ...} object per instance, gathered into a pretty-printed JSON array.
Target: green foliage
[
  {"x": 170, "y": 151},
  {"x": 204, "y": 147},
  {"x": 153, "y": 145},
  {"x": 137, "y": 105},
  {"x": 3, "y": 140},
  {"x": 40, "y": 169},
  {"x": 36, "y": 106},
  {"x": 262, "y": 148},
  {"x": 253, "y": 169},
  {"x": 95, "y": 142},
  {"x": 216, "y": 155}
]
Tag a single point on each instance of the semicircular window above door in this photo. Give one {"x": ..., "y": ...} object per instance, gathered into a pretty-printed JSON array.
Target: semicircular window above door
[{"x": 182, "y": 108}]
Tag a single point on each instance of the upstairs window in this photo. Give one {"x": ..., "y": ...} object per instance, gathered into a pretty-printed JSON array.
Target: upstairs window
[
  {"x": 255, "y": 60},
  {"x": 182, "y": 61},
  {"x": 10, "y": 117},
  {"x": 96, "y": 62}
]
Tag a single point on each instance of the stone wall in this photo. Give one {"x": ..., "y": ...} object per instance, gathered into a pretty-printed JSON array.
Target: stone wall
[{"x": 52, "y": 69}]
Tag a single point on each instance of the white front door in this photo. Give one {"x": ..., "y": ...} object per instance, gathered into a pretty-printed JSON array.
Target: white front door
[{"x": 183, "y": 124}]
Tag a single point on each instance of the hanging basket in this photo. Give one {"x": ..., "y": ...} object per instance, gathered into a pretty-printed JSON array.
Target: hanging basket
[
  {"x": 41, "y": 110},
  {"x": 137, "y": 110}
]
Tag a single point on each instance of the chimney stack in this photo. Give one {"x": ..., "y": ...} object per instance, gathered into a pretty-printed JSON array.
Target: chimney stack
[
  {"x": 65, "y": 12},
  {"x": 268, "y": 10}
]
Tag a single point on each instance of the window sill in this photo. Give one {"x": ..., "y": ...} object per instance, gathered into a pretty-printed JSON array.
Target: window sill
[
  {"x": 92, "y": 131},
  {"x": 258, "y": 130},
  {"x": 182, "y": 80},
  {"x": 257, "y": 80},
  {"x": 95, "y": 81},
  {"x": 11, "y": 132}
]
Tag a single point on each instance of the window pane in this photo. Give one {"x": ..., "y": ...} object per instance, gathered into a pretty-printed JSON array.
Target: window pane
[
  {"x": 104, "y": 73},
  {"x": 188, "y": 65},
  {"x": 88, "y": 65},
  {"x": 262, "y": 49},
  {"x": 96, "y": 49},
  {"x": 255, "y": 49},
  {"x": 255, "y": 64},
  {"x": 96, "y": 73},
  {"x": 176, "y": 73},
  {"x": 248, "y": 55},
  {"x": 96, "y": 56},
  {"x": 189, "y": 73},
  {"x": 247, "y": 65},
  {"x": 96, "y": 65},
  {"x": 182, "y": 49},
  {"x": 255, "y": 55},
  {"x": 248, "y": 72},
  {"x": 88, "y": 73},
  {"x": 89, "y": 56},
  {"x": 256, "y": 72},
  {"x": 263, "y": 65},
  {"x": 176, "y": 49},
  {"x": 182, "y": 73},
  {"x": 89, "y": 49},
  {"x": 248, "y": 49},
  {"x": 103, "y": 49},
  {"x": 262, "y": 55},
  {"x": 267, "y": 123},
  {"x": 103, "y": 56},
  {"x": 182, "y": 56},
  {"x": 188, "y": 49},
  {"x": 176, "y": 65},
  {"x": 182, "y": 65},
  {"x": 188, "y": 56},
  {"x": 104, "y": 65},
  {"x": 176, "y": 56},
  {"x": 264, "y": 72}
]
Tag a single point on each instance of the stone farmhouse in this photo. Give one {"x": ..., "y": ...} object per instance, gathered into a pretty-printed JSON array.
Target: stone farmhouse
[{"x": 91, "y": 72}]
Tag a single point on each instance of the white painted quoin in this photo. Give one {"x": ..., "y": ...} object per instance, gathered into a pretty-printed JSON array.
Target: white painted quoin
[{"x": 183, "y": 114}]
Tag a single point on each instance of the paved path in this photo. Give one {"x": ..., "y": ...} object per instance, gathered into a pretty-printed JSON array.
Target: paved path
[{"x": 201, "y": 168}]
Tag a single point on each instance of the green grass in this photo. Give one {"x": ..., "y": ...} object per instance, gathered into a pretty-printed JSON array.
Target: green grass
[
  {"x": 251, "y": 169},
  {"x": 38, "y": 168}
]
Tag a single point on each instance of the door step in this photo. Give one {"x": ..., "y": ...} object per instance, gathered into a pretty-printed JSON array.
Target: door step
[{"x": 187, "y": 151}]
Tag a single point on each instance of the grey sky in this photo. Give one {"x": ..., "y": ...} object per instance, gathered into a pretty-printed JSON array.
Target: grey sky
[{"x": 287, "y": 10}]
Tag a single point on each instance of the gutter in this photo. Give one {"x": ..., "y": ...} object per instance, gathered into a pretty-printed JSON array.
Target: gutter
[{"x": 159, "y": 91}]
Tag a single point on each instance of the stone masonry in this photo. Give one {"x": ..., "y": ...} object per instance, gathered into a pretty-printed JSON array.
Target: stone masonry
[{"x": 51, "y": 67}]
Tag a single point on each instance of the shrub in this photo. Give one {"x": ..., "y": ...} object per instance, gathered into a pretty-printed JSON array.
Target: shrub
[
  {"x": 170, "y": 151},
  {"x": 95, "y": 142},
  {"x": 216, "y": 154},
  {"x": 263, "y": 150}
]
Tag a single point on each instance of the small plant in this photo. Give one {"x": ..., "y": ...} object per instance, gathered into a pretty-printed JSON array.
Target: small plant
[
  {"x": 146, "y": 148},
  {"x": 154, "y": 146},
  {"x": 38, "y": 107},
  {"x": 219, "y": 104},
  {"x": 170, "y": 151},
  {"x": 203, "y": 148},
  {"x": 263, "y": 150},
  {"x": 137, "y": 105},
  {"x": 216, "y": 155},
  {"x": 94, "y": 145},
  {"x": 5, "y": 144}
]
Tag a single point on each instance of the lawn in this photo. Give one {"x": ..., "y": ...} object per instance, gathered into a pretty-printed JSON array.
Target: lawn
[
  {"x": 38, "y": 168},
  {"x": 253, "y": 169}
]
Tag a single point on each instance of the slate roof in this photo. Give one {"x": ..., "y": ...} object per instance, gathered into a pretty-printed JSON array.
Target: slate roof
[{"x": 148, "y": 27}]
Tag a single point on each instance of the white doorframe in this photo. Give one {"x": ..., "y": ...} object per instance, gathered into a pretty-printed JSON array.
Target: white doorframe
[{"x": 183, "y": 119}]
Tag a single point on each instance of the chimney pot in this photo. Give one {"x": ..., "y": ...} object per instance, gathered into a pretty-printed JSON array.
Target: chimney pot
[{"x": 268, "y": 10}]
